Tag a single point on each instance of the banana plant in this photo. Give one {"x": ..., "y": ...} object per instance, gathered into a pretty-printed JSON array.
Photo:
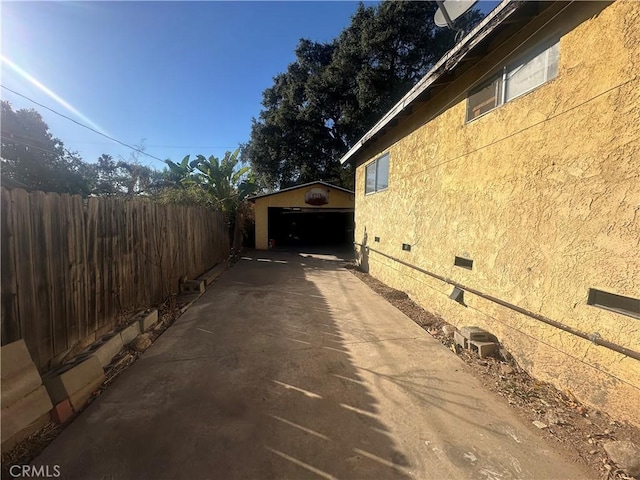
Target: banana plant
[{"x": 225, "y": 183}]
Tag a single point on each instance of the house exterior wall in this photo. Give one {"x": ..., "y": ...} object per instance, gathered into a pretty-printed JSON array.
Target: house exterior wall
[
  {"x": 543, "y": 193},
  {"x": 294, "y": 198}
]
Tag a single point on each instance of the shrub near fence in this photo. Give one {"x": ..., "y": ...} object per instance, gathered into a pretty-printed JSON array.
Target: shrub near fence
[{"x": 71, "y": 265}]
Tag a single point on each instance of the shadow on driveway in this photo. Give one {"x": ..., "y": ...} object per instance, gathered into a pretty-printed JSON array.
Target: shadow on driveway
[{"x": 254, "y": 381}]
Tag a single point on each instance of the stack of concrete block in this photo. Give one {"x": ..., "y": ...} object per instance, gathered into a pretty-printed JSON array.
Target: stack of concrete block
[
  {"x": 25, "y": 401},
  {"x": 475, "y": 338}
]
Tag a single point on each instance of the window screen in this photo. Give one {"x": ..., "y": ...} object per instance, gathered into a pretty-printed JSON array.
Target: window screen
[
  {"x": 533, "y": 72},
  {"x": 377, "y": 175},
  {"x": 515, "y": 80},
  {"x": 370, "y": 185},
  {"x": 382, "y": 172},
  {"x": 483, "y": 100}
]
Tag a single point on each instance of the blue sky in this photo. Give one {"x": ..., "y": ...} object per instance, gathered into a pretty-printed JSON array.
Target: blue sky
[{"x": 185, "y": 77}]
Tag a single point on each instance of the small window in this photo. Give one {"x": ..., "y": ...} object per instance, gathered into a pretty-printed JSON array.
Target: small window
[
  {"x": 377, "y": 175},
  {"x": 484, "y": 100},
  {"x": 616, "y": 303},
  {"x": 515, "y": 80},
  {"x": 528, "y": 74}
]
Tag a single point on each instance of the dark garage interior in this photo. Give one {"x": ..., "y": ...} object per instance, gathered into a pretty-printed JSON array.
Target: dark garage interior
[{"x": 295, "y": 227}]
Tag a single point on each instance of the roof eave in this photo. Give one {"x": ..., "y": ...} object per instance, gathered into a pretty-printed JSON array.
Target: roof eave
[{"x": 447, "y": 63}]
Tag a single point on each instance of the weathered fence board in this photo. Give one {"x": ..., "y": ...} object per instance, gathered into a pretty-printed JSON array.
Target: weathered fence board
[{"x": 72, "y": 267}]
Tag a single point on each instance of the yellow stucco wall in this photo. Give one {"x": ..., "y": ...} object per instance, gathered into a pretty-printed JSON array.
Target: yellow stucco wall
[
  {"x": 294, "y": 198},
  {"x": 543, "y": 193}
]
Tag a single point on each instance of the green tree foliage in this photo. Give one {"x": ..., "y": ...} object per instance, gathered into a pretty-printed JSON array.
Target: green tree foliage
[
  {"x": 334, "y": 92},
  {"x": 220, "y": 184},
  {"x": 124, "y": 177},
  {"x": 32, "y": 156}
]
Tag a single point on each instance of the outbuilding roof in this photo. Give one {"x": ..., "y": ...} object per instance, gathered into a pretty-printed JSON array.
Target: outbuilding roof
[
  {"x": 505, "y": 19},
  {"x": 318, "y": 182}
]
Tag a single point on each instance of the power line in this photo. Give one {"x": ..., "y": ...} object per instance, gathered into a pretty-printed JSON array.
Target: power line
[
  {"x": 26, "y": 144},
  {"x": 135, "y": 149}
]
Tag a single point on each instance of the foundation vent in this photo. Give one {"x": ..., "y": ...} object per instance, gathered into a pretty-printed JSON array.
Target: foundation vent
[
  {"x": 463, "y": 263},
  {"x": 616, "y": 303}
]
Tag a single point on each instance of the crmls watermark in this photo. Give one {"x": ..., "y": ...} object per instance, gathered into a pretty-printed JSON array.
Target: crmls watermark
[{"x": 29, "y": 471}]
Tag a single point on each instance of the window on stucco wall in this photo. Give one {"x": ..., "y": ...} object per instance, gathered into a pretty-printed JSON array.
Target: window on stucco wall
[
  {"x": 514, "y": 80},
  {"x": 377, "y": 175}
]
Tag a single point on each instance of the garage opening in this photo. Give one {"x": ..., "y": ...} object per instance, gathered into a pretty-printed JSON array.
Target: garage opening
[{"x": 317, "y": 227}]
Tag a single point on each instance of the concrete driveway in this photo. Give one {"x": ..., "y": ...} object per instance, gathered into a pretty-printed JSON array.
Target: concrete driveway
[{"x": 290, "y": 367}]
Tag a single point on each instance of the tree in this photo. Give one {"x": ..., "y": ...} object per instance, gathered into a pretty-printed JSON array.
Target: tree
[
  {"x": 334, "y": 92},
  {"x": 32, "y": 156},
  {"x": 224, "y": 183}
]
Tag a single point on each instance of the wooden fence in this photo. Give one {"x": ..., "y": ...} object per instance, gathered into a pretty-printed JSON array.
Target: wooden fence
[{"x": 71, "y": 266}]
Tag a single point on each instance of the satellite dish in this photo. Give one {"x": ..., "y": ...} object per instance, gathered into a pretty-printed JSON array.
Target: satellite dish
[{"x": 450, "y": 10}]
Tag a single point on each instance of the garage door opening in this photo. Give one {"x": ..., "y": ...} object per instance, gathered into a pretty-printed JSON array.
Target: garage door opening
[{"x": 316, "y": 227}]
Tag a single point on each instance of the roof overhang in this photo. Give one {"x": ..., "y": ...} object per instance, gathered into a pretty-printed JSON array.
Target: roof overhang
[
  {"x": 468, "y": 51},
  {"x": 304, "y": 185}
]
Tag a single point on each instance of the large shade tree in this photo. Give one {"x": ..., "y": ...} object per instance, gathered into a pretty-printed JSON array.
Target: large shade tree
[
  {"x": 334, "y": 92},
  {"x": 34, "y": 158}
]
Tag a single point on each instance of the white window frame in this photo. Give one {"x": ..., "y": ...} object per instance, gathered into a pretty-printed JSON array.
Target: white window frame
[
  {"x": 503, "y": 76},
  {"x": 374, "y": 165}
]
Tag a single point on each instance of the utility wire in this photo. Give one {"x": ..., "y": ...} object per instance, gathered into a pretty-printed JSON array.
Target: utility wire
[
  {"x": 135, "y": 149},
  {"x": 27, "y": 144}
]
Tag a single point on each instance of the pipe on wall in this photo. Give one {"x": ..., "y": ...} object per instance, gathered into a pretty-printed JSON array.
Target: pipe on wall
[{"x": 595, "y": 338}]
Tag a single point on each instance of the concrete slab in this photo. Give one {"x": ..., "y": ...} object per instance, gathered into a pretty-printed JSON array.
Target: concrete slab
[
  {"x": 19, "y": 374},
  {"x": 75, "y": 382},
  {"x": 290, "y": 367},
  {"x": 25, "y": 416}
]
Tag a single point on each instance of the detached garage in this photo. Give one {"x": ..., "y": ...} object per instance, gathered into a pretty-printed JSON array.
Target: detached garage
[{"x": 313, "y": 214}]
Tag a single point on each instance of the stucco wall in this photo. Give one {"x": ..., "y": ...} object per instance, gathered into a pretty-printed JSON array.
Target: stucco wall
[
  {"x": 543, "y": 193},
  {"x": 294, "y": 198}
]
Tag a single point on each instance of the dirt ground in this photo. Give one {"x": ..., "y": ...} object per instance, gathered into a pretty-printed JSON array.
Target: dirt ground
[{"x": 578, "y": 430}]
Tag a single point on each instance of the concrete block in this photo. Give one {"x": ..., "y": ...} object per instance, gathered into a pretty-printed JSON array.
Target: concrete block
[
  {"x": 108, "y": 349},
  {"x": 62, "y": 412},
  {"x": 25, "y": 416},
  {"x": 459, "y": 339},
  {"x": 129, "y": 333},
  {"x": 484, "y": 348},
  {"x": 19, "y": 374},
  {"x": 147, "y": 319},
  {"x": 75, "y": 382},
  {"x": 212, "y": 274},
  {"x": 192, "y": 286}
]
